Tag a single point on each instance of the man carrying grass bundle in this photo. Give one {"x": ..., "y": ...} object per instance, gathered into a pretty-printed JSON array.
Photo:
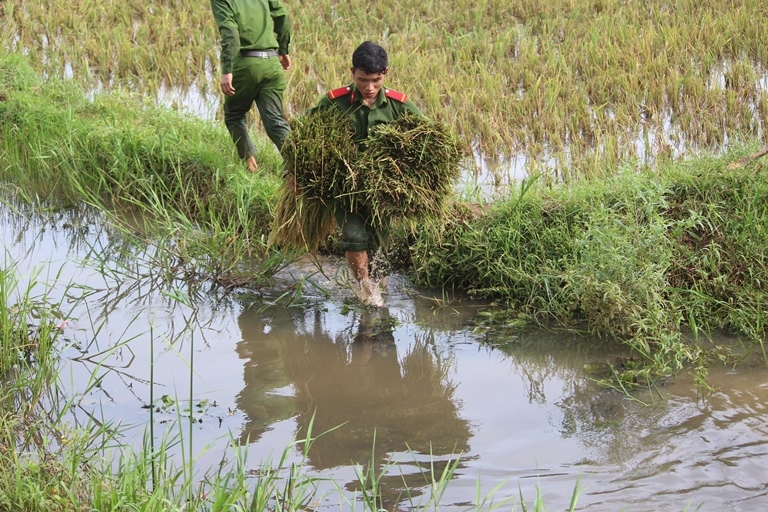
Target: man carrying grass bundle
[
  {"x": 255, "y": 35},
  {"x": 363, "y": 157},
  {"x": 368, "y": 103}
]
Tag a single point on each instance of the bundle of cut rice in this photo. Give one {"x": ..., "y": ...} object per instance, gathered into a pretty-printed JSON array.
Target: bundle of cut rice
[
  {"x": 406, "y": 172},
  {"x": 300, "y": 222},
  {"x": 320, "y": 152},
  {"x": 408, "y": 169}
]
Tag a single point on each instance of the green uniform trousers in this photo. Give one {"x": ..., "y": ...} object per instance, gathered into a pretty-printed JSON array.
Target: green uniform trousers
[
  {"x": 358, "y": 231},
  {"x": 261, "y": 81}
]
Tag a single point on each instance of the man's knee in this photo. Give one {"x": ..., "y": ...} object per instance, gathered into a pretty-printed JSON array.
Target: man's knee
[
  {"x": 356, "y": 240},
  {"x": 355, "y": 235}
]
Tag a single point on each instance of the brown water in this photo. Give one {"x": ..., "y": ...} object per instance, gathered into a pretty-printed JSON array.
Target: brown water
[{"x": 408, "y": 386}]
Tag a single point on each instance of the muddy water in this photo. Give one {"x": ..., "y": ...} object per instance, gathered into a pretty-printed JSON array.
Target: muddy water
[{"x": 408, "y": 386}]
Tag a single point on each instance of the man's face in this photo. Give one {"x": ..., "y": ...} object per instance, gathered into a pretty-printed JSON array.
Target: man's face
[{"x": 369, "y": 85}]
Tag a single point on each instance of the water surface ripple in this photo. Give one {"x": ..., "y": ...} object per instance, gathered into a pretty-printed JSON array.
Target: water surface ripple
[{"x": 408, "y": 386}]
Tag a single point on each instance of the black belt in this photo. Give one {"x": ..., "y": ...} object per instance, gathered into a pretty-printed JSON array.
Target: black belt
[{"x": 261, "y": 54}]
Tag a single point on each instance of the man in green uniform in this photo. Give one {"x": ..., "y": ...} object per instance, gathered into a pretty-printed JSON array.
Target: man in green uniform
[
  {"x": 368, "y": 103},
  {"x": 255, "y": 35}
]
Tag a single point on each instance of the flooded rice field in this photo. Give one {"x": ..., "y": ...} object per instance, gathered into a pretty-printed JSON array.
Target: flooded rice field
[{"x": 411, "y": 386}]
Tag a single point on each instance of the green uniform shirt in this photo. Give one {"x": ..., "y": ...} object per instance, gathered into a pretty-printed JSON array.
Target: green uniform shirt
[
  {"x": 250, "y": 25},
  {"x": 385, "y": 110}
]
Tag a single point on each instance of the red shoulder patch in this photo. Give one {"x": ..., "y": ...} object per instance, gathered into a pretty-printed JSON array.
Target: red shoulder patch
[
  {"x": 397, "y": 96},
  {"x": 341, "y": 91}
]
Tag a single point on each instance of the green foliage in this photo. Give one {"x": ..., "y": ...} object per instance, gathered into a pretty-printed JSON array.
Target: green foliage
[
  {"x": 120, "y": 152},
  {"x": 638, "y": 257},
  {"x": 409, "y": 168},
  {"x": 28, "y": 330}
]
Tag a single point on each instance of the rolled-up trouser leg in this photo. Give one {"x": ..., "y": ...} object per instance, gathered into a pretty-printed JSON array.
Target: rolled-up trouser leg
[{"x": 357, "y": 231}]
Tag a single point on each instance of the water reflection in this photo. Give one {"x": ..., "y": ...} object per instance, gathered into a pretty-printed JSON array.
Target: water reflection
[
  {"x": 526, "y": 416},
  {"x": 353, "y": 383}
]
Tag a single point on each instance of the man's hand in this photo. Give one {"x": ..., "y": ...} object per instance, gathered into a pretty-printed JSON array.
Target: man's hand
[
  {"x": 285, "y": 61},
  {"x": 226, "y": 84}
]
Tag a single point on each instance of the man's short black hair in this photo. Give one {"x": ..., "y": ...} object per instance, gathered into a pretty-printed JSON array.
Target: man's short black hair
[{"x": 370, "y": 57}]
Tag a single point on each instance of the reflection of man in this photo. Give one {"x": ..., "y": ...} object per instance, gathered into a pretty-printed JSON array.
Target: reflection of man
[
  {"x": 347, "y": 383},
  {"x": 265, "y": 333},
  {"x": 350, "y": 382},
  {"x": 360, "y": 383}
]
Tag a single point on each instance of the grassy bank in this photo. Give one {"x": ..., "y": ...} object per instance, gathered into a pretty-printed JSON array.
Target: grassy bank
[
  {"x": 641, "y": 256},
  {"x": 122, "y": 154},
  {"x": 590, "y": 82}
]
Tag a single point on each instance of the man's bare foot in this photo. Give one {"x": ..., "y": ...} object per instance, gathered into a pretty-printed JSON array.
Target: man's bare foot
[
  {"x": 252, "y": 165},
  {"x": 368, "y": 293}
]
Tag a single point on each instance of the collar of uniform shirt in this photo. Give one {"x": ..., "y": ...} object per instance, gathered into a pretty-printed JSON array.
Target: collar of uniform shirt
[{"x": 381, "y": 99}]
